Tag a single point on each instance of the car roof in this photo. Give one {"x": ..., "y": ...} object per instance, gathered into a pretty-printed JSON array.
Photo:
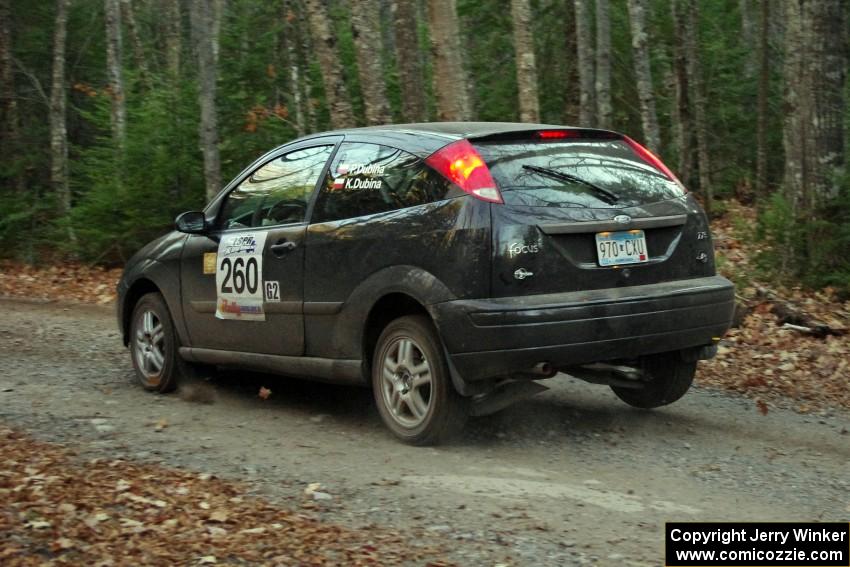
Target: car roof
[{"x": 424, "y": 138}]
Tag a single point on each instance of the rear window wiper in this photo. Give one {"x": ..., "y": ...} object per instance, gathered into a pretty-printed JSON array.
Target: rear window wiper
[{"x": 603, "y": 194}]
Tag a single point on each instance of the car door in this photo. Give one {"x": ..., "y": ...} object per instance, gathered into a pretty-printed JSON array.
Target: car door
[{"x": 243, "y": 282}]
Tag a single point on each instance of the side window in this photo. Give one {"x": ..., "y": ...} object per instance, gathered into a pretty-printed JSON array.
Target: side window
[
  {"x": 365, "y": 179},
  {"x": 277, "y": 192}
]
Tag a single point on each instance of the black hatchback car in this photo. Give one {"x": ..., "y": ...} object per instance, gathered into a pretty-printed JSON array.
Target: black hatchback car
[{"x": 449, "y": 265}]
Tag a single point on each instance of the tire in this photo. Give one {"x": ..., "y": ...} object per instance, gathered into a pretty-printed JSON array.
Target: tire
[
  {"x": 154, "y": 345},
  {"x": 412, "y": 386},
  {"x": 670, "y": 378}
]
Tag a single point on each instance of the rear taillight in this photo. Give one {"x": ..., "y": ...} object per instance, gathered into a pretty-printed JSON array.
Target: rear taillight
[
  {"x": 653, "y": 160},
  {"x": 462, "y": 165}
]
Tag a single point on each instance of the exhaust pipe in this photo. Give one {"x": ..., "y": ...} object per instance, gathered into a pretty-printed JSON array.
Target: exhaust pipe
[{"x": 543, "y": 369}]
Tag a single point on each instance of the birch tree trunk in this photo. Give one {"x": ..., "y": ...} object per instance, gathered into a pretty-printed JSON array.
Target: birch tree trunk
[
  {"x": 526, "y": 66},
  {"x": 451, "y": 84},
  {"x": 409, "y": 61},
  {"x": 697, "y": 95},
  {"x": 113, "y": 70},
  {"x": 643, "y": 74},
  {"x": 682, "y": 120},
  {"x": 205, "y": 37},
  {"x": 584, "y": 57},
  {"x": 763, "y": 92},
  {"x": 324, "y": 44},
  {"x": 368, "y": 46},
  {"x": 603, "y": 65},
  {"x": 58, "y": 130},
  {"x": 796, "y": 105},
  {"x": 139, "y": 57},
  {"x": 748, "y": 36},
  {"x": 173, "y": 39}
]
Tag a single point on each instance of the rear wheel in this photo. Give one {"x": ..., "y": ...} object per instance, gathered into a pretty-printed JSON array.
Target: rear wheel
[
  {"x": 412, "y": 385},
  {"x": 670, "y": 378},
  {"x": 154, "y": 345}
]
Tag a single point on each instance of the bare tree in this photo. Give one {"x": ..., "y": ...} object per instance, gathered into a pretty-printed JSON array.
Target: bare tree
[
  {"x": 526, "y": 66},
  {"x": 682, "y": 120},
  {"x": 409, "y": 60},
  {"x": 604, "y": 110},
  {"x": 10, "y": 119},
  {"x": 815, "y": 71},
  {"x": 58, "y": 130},
  {"x": 697, "y": 95},
  {"x": 643, "y": 74},
  {"x": 324, "y": 44},
  {"x": 763, "y": 92},
  {"x": 584, "y": 57},
  {"x": 113, "y": 71},
  {"x": 173, "y": 38},
  {"x": 204, "y": 14},
  {"x": 365, "y": 26},
  {"x": 139, "y": 56},
  {"x": 451, "y": 85}
]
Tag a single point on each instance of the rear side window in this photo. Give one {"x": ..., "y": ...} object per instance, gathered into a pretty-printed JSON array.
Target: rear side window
[
  {"x": 277, "y": 192},
  {"x": 605, "y": 173},
  {"x": 365, "y": 179}
]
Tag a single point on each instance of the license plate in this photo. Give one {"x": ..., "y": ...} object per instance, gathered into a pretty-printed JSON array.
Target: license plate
[{"x": 626, "y": 247}]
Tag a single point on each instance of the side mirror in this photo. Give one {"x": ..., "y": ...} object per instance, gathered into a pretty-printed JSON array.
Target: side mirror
[{"x": 192, "y": 222}]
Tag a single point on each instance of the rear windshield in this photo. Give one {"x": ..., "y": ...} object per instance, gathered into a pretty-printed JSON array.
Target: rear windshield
[{"x": 605, "y": 173}]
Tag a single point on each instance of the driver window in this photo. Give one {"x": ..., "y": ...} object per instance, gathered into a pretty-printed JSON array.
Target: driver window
[{"x": 277, "y": 192}]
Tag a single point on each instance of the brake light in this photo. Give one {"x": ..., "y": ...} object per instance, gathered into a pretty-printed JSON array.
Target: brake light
[
  {"x": 653, "y": 160},
  {"x": 462, "y": 165},
  {"x": 556, "y": 134}
]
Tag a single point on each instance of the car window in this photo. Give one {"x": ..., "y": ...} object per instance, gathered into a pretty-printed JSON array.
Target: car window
[
  {"x": 277, "y": 192},
  {"x": 365, "y": 179}
]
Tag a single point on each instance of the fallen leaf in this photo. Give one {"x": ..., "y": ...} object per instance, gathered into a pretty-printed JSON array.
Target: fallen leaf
[{"x": 265, "y": 393}]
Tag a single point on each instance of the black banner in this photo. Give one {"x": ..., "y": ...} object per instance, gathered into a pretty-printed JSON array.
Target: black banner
[{"x": 767, "y": 544}]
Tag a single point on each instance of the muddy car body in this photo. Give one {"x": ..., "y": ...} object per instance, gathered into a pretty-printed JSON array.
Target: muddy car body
[{"x": 447, "y": 265}]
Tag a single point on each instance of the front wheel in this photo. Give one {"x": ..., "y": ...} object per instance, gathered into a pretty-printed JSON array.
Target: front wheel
[
  {"x": 412, "y": 386},
  {"x": 154, "y": 344},
  {"x": 669, "y": 378}
]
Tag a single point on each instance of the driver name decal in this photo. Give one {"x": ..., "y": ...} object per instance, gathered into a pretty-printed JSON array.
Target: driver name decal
[{"x": 239, "y": 277}]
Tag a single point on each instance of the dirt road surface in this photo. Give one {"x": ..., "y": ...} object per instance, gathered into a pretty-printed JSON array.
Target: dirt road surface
[{"x": 569, "y": 477}]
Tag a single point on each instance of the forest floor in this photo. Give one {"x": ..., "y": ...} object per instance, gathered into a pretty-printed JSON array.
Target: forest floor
[{"x": 96, "y": 471}]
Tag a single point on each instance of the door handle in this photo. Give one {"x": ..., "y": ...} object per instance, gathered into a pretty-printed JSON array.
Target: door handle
[{"x": 283, "y": 247}]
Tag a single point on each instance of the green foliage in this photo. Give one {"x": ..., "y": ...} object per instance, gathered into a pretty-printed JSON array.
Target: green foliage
[{"x": 125, "y": 199}]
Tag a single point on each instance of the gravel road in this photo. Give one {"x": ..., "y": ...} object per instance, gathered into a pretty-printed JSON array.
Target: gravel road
[{"x": 569, "y": 477}]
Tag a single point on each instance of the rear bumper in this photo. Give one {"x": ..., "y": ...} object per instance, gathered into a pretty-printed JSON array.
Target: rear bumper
[{"x": 494, "y": 337}]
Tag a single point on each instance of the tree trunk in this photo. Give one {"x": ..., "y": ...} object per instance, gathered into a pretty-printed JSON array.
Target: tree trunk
[
  {"x": 763, "y": 92},
  {"x": 58, "y": 130},
  {"x": 697, "y": 95},
  {"x": 747, "y": 36},
  {"x": 815, "y": 71},
  {"x": 603, "y": 65},
  {"x": 173, "y": 42},
  {"x": 409, "y": 61},
  {"x": 365, "y": 27},
  {"x": 526, "y": 66},
  {"x": 682, "y": 121},
  {"x": 324, "y": 45},
  {"x": 113, "y": 71},
  {"x": 205, "y": 37},
  {"x": 296, "y": 100},
  {"x": 10, "y": 118},
  {"x": 139, "y": 56},
  {"x": 584, "y": 57},
  {"x": 451, "y": 84},
  {"x": 643, "y": 74}
]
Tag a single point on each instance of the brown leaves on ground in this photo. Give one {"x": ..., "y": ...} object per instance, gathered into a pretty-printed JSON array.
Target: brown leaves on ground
[
  {"x": 63, "y": 282},
  {"x": 764, "y": 360},
  {"x": 59, "y": 510}
]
